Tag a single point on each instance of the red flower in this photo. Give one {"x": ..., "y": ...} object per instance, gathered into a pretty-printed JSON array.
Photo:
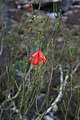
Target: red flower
[
  {"x": 36, "y": 57},
  {"x": 30, "y": 7}
]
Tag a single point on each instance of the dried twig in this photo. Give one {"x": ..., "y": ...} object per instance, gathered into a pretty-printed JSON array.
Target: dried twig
[
  {"x": 1, "y": 47},
  {"x": 60, "y": 92},
  {"x": 62, "y": 87},
  {"x": 63, "y": 83},
  {"x": 10, "y": 98}
]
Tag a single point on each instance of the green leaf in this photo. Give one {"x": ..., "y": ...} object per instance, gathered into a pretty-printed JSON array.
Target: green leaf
[
  {"x": 7, "y": 69},
  {"x": 13, "y": 67},
  {"x": 79, "y": 38}
]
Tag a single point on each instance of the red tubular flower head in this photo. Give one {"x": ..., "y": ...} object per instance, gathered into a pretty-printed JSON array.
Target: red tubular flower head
[
  {"x": 30, "y": 7},
  {"x": 36, "y": 57},
  {"x": 42, "y": 57}
]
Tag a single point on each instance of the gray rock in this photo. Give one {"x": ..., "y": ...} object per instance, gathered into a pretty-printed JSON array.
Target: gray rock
[
  {"x": 47, "y": 117},
  {"x": 20, "y": 74},
  {"x": 66, "y": 4},
  {"x": 25, "y": 117},
  {"x": 52, "y": 15}
]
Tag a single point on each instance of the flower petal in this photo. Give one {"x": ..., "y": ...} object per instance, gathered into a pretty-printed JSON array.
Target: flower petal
[
  {"x": 36, "y": 60},
  {"x": 34, "y": 55},
  {"x": 42, "y": 57}
]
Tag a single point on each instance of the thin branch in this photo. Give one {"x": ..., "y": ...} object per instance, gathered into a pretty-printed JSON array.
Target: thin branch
[
  {"x": 62, "y": 87},
  {"x": 28, "y": 73},
  {"x": 63, "y": 83},
  {"x": 10, "y": 98},
  {"x": 77, "y": 66},
  {"x": 1, "y": 47},
  {"x": 60, "y": 92}
]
